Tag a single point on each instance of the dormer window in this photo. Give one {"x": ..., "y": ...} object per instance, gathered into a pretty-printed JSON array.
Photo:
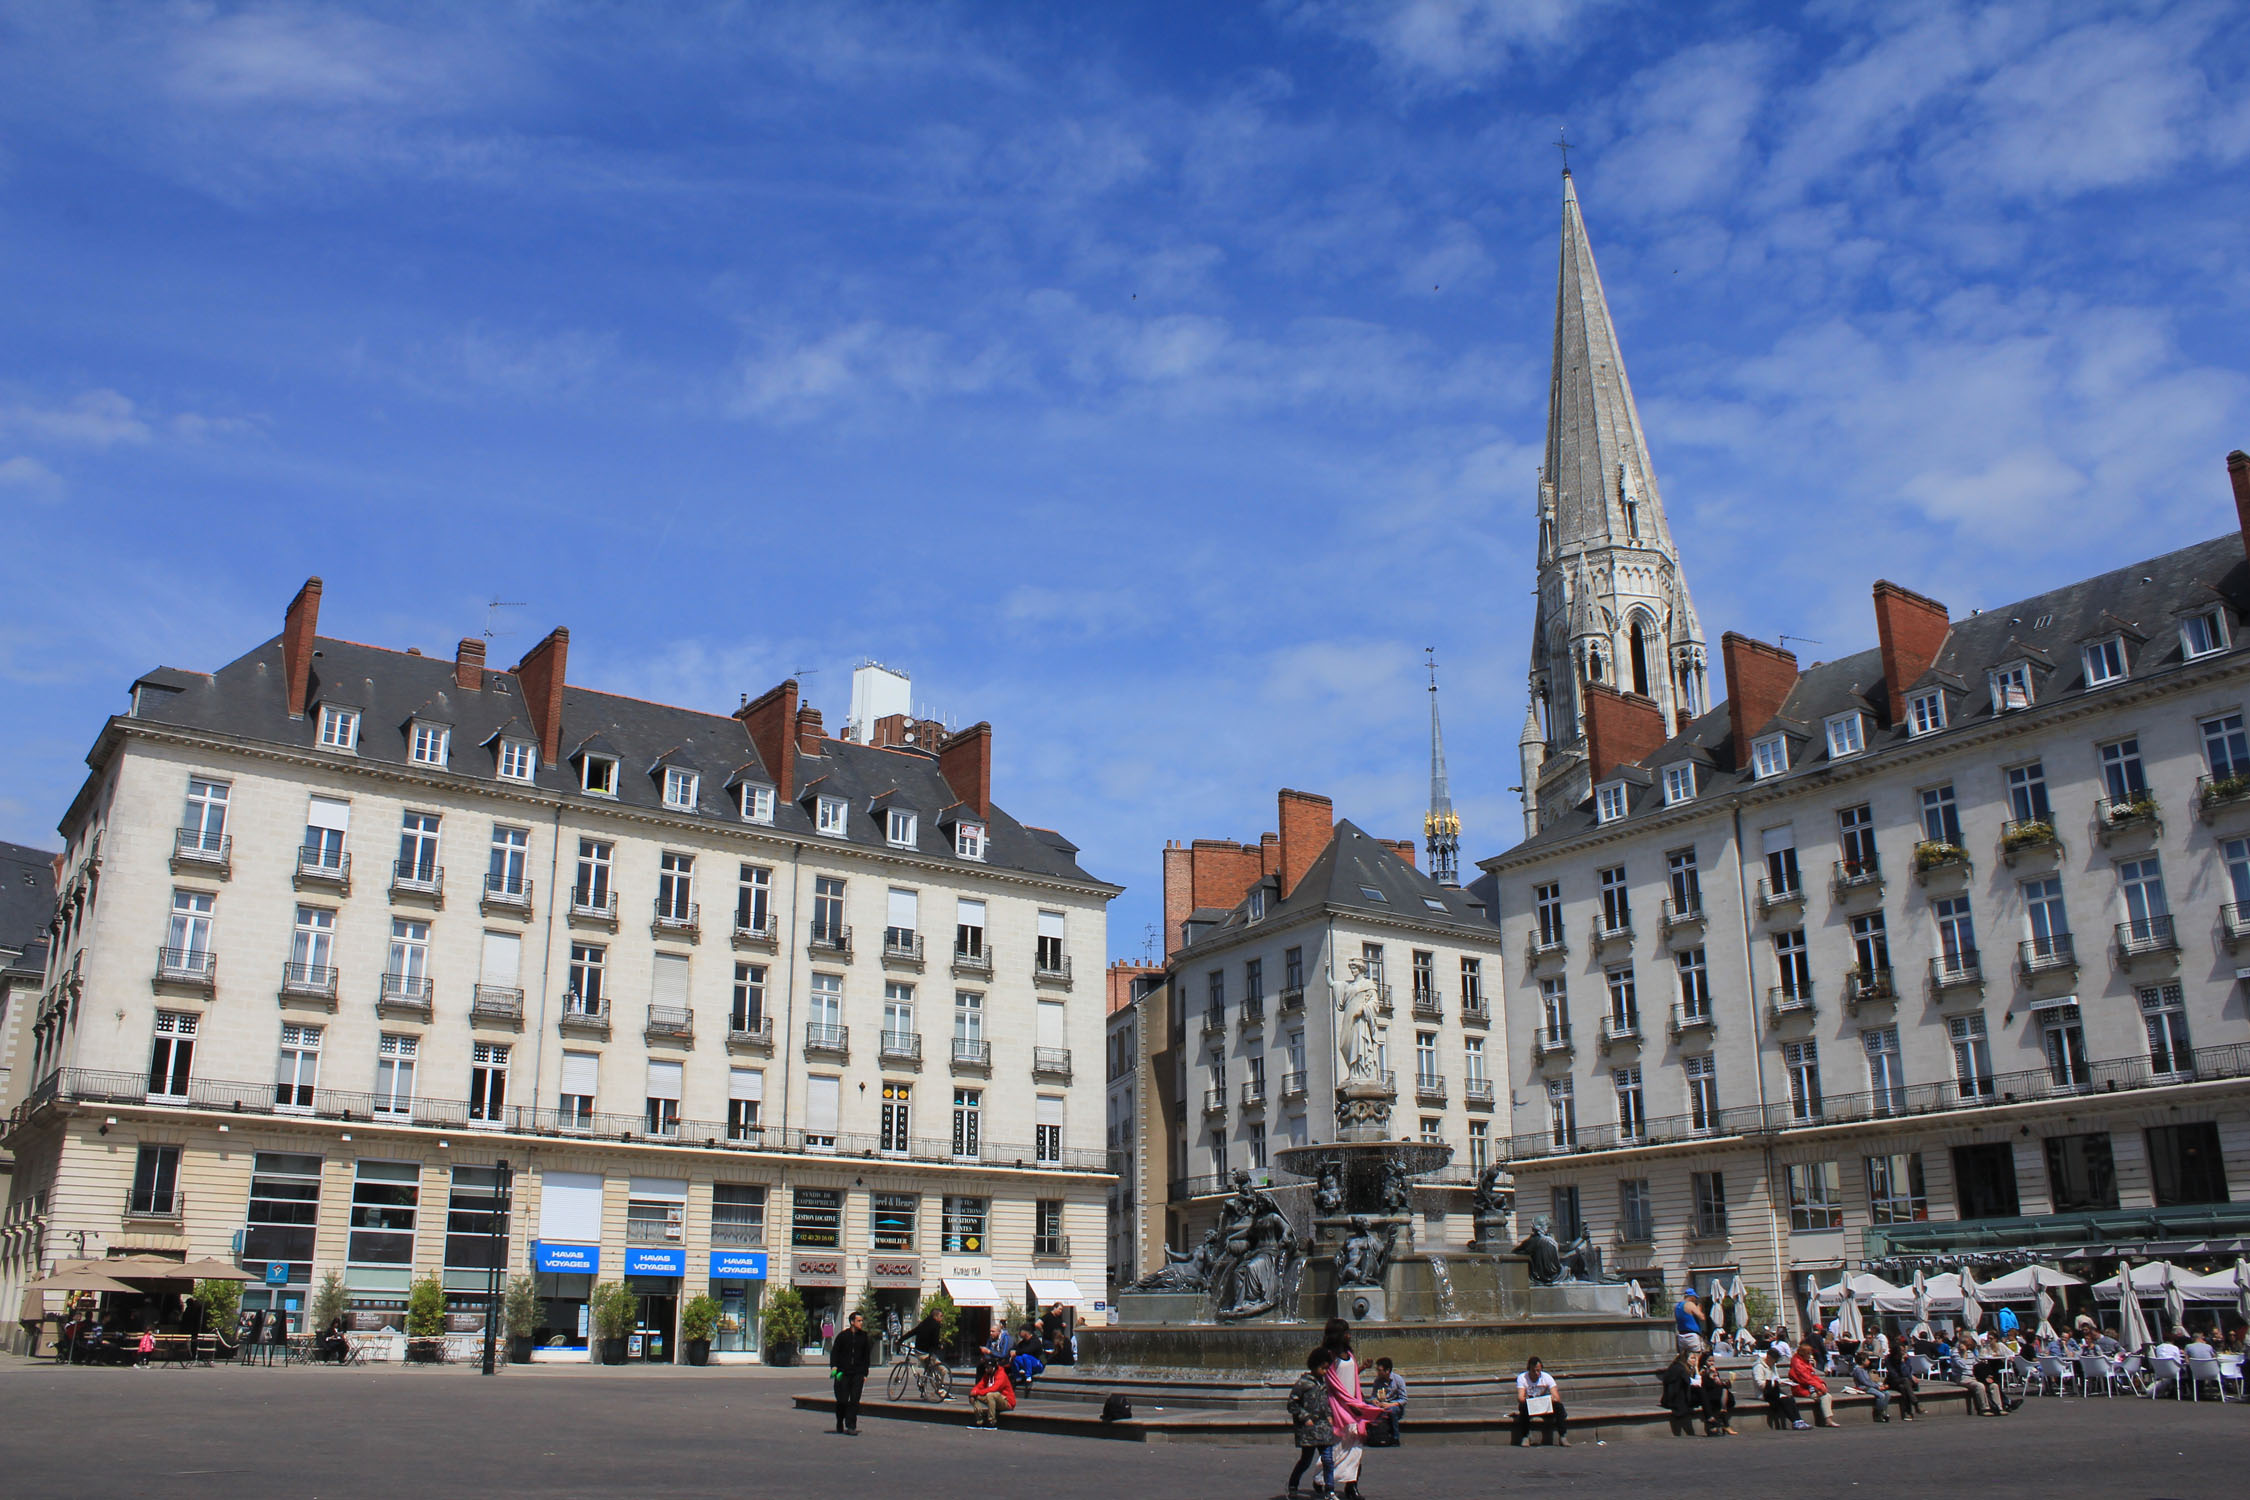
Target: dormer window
[
  {"x": 680, "y": 787},
  {"x": 829, "y": 815},
  {"x": 1609, "y": 802},
  {"x": 518, "y": 760},
  {"x": 2204, "y": 634},
  {"x": 1925, "y": 712},
  {"x": 968, "y": 840},
  {"x": 2011, "y": 687},
  {"x": 1769, "y": 756},
  {"x": 430, "y": 744},
  {"x": 1847, "y": 735},
  {"x": 1679, "y": 784},
  {"x": 339, "y": 728},
  {"x": 2105, "y": 662},
  {"x": 598, "y": 775},
  {"x": 1258, "y": 904},
  {"x": 900, "y": 827},
  {"x": 757, "y": 803}
]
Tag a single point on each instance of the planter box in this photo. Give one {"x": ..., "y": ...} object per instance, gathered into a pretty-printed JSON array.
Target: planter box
[{"x": 698, "y": 1351}]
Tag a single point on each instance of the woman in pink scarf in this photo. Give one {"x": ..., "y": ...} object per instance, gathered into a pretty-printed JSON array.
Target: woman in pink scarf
[{"x": 1347, "y": 1413}]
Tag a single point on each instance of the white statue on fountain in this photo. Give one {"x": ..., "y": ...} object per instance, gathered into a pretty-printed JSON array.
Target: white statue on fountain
[{"x": 1359, "y": 1038}]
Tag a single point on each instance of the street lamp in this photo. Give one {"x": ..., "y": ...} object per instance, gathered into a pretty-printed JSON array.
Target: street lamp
[{"x": 496, "y": 1256}]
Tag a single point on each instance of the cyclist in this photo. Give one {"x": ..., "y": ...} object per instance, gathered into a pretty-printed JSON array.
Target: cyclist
[{"x": 928, "y": 1339}]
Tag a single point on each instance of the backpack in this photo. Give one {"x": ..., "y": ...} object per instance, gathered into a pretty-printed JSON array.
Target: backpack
[
  {"x": 1116, "y": 1408},
  {"x": 2005, "y": 1321}
]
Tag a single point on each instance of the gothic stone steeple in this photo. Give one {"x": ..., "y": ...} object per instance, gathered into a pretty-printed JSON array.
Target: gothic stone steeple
[
  {"x": 1441, "y": 827},
  {"x": 1613, "y": 605}
]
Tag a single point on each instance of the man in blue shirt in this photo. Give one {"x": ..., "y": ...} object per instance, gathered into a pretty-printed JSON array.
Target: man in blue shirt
[{"x": 1687, "y": 1318}]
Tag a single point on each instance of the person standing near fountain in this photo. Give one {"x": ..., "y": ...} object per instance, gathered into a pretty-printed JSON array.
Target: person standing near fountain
[
  {"x": 1311, "y": 1425},
  {"x": 1348, "y": 1412}
]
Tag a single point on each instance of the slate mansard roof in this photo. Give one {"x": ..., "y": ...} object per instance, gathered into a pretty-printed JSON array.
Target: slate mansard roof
[
  {"x": 2144, "y": 604},
  {"x": 393, "y": 690},
  {"x": 1338, "y": 880},
  {"x": 27, "y": 902}
]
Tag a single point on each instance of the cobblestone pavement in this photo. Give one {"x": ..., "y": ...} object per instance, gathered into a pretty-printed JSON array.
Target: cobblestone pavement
[{"x": 343, "y": 1434}]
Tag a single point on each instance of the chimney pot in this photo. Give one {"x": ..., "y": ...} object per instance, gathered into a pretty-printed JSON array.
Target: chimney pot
[
  {"x": 300, "y": 623},
  {"x": 468, "y": 665},
  {"x": 1308, "y": 821},
  {"x": 1759, "y": 678},
  {"x": 542, "y": 674},
  {"x": 809, "y": 733},
  {"x": 1911, "y": 630},
  {"x": 771, "y": 722},
  {"x": 1622, "y": 729},
  {"x": 2238, "y": 472},
  {"x": 965, "y": 762}
]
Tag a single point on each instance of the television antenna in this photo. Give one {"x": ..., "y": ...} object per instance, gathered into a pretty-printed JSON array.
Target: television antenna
[{"x": 490, "y": 633}]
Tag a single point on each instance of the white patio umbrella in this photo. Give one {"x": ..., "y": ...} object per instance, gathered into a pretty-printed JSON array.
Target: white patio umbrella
[
  {"x": 2132, "y": 1325},
  {"x": 1636, "y": 1299},
  {"x": 2175, "y": 1298},
  {"x": 2046, "y": 1301},
  {"x": 1867, "y": 1284},
  {"x": 1736, "y": 1300},
  {"x": 2019, "y": 1285},
  {"x": 1921, "y": 1306},
  {"x": 2242, "y": 1288},
  {"x": 1848, "y": 1313},
  {"x": 1972, "y": 1308}
]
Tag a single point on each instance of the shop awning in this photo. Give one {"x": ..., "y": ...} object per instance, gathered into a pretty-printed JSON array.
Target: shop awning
[
  {"x": 1048, "y": 1293},
  {"x": 972, "y": 1291}
]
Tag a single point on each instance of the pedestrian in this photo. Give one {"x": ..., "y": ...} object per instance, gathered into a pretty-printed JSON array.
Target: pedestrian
[
  {"x": 1348, "y": 1413},
  {"x": 993, "y": 1393},
  {"x": 1537, "y": 1400},
  {"x": 1687, "y": 1321},
  {"x": 1681, "y": 1397},
  {"x": 1310, "y": 1424},
  {"x": 1810, "y": 1390},
  {"x": 848, "y": 1355},
  {"x": 1903, "y": 1386},
  {"x": 1390, "y": 1395}
]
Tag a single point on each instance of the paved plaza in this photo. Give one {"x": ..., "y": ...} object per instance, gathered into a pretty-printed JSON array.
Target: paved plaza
[{"x": 343, "y": 1434}]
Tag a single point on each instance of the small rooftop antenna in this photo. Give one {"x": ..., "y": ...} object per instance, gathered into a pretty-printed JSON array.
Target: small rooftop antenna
[
  {"x": 1148, "y": 944},
  {"x": 490, "y": 633},
  {"x": 1808, "y": 640}
]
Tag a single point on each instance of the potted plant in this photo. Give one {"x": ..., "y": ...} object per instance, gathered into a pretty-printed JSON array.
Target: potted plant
[
  {"x": 221, "y": 1302},
  {"x": 328, "y": 1302},
  {"x": 2227, "y": 788},
  {"x": 2028, "y": 834},
  {"x": 785, "y": 1326},
  {"x": 523, "y": 1310},
  {"x": 698, "y": 1321},
  {"x": 613, "y": 1310},
  {"x": 425, "y": 1321}
]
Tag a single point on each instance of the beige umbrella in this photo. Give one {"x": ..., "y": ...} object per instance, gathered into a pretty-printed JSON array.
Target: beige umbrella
[
  {"x": 143, "y": 1267},
  {"x": 2046, "y": 1301},
  {"x": 2175, "y": 1298},
  {"x": 1921, "y": 1305},
  {"x": 2242, "y": 1288},
  {"x": 215, "y": 1270},
  {"x": 1972, "y": 1309},
  {"x": 75, "y": 1280},
  {"x": 1847, "y": 1313},
  {"x": 2132, "y": 1322},
  {"x": 1636, "y": 1299}
]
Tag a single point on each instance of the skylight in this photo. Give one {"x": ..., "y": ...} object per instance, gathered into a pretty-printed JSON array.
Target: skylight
[{"x": 1373, "y": 894}]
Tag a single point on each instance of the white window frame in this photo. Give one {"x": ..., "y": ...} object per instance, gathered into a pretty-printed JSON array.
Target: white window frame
[
  {"x": 1769, "y": 757},
  {"x": 2012, "y": 675},
  {"x": 2097, "y": 654},
  {"x": 607, "y": 785},
  {"x": 1679, "y": 783},
  {"x": 339, "y": 728},
  {"x": 1847, "y": 735},
  {"x": 681, "y": 788},
  {"x": 901, "y": 828},
  {"x": 519, "y": 760},
  {"x": 757, "y": 803},
  {"x": 2214, "y": 620},
  {"x": 1925, "y": 712},
  {"x": 430, "y": 744},
  {"x": 968, "y": 840},
  {"x": 1610, "y": 802},
  {"x": 832, "y": 816}
]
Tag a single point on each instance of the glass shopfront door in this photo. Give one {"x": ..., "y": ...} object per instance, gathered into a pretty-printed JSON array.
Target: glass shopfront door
[{"x": 656, "y": 1301}]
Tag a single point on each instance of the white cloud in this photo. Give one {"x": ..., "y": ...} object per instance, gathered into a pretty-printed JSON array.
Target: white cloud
[
  {"x": 93, "y": 419},
  {"x": 31, "y": 478},
  {"x": 1686, "y": 127},
  {"x": 306, "y": 56},
  {"x": 792, "y": 378},
  {"x": 1453, "y": 43}
]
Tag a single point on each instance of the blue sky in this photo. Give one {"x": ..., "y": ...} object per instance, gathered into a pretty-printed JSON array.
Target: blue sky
[{"x": 1154, "y": 381}]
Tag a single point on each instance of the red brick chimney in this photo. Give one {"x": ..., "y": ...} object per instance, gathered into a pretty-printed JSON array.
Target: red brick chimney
[
  {"x": 1403, "y": 848},
  {"x": 299, "y": 625},
  {"x": 2238, "y": 470},
  {"x": 810, "y": 731},
  {"x": 468, "y": 665},
  {"x": 1179, "y": 891},
  {"x": 1269, "y": 853},
  {"x": 770, "y": 719},
  {"x": 965, "y": 761},
  {"x": 1622, "y": 729},
  {"x": 1759, "y": 678},
  {"x": 541, "y": 673},
  {"x": 1912, "y": 629},
  {"x": 1308, "y": 822}
]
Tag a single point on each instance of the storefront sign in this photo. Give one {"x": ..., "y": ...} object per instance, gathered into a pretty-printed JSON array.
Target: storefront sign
[
  {"x": 894, "y": 1270},
  {"x": 277, "y": 1273},
  {"x": 584, "y": 1260},
  {"x": 818, "y": 1270},
  {"x": 655, "y": 1260},
  {"x": 738, "y": 1265}
]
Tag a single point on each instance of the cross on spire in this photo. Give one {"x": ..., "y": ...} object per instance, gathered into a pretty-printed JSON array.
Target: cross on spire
[{"x": 1562, "y": 144}]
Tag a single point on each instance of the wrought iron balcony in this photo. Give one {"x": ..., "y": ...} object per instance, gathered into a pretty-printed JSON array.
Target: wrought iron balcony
[
  {"x": 1292, "y": 997},
  {"x": 507, "y": 893},
  {"x": 418, "y": 879},
  {"x": 212, "y": 853},
  {"x": 1477, "y": 1093},
  {"x": 670, "y": 1023},
  {"x": 902, "y": 947},
  {"x": 830, "y": 937},
  {"x": 155, "y": 1203},
  {"x": 676, "y": 919},
  {"x": 1051, "y": 1062},
  {"x": 1215, "y": 1101},
  {"x": 2215, "y": 797},
  {"x": 404, "y": 995},
  {"x": 822, "y": 1037},
  {"x": 1214, "y": 1021},
  {"x": 971, "y": 1052},
  {"x": 2134, "y": 813},
  {"x": 900, "y": 1046},
  {"x": 1941, "y": 859},
  {"x": 1856, "y": 877},
  {"x": 2028, "y": 838},
  {"x": 1676, "y": 914},
  {"x": 593, "y": 908},
  {"x": 978, "y": 961},
  {"x": 331, "y": 868},
  {"x": 1773, "y": 896},
  {"x": 1619, "y": 1030},
  {"x": 750, "y": 1031},
  {"x": 1867, "y": 987},
  {"x": 1253, "y": 1093},
  {"x": 588, "y": 1014},
  {"x": 1537, "y": 949},
  {"x": 1293, "y": 1085},
  {"x": 496, "y": 1005},
  {"x": 1251, "y": 1013},
  {"x": 1429, "y": 1088},
  {"x": 2146, "y": 937},
  {"x": 1050, "y": 1246},
  {"x": 759, "y": 931},
  {"x": 1426, "y": 1006},
  {"x": 2234, "y": 925},
  {"x": 1955, "y": 971},
  {"x": 1789, "y": 1003},
  {"x": 1683, "y": 1021},
  {"x": 1474, "y": 1011},
  {"x": 187, "y": 968},
  {"x": 309, "y": 981},
  {"x": 2047, "y": 955},
  {"x": 1551, "y": 1041},
  {"x": 1051, "y": 969},
  {"x": 1606, "y": 932}
]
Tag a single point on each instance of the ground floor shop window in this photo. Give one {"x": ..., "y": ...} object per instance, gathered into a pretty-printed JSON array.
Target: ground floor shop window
[
  {"x": 740, "y": 1304},
  {"x": 2184, "y": 1164},
  {"x": 2080, "y": 1174},
  {"x": 1984, "y": 1181},
  {"x": 562, "y": 1301},
  {"x": 824, "y": 1314}
]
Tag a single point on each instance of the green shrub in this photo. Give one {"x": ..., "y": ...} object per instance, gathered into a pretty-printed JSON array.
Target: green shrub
[
  {"x": 328, "y": 1302},
  {"x": 940, "y": 1302},
  {"x": 221, "y": 1302},
  {"x": 785, "y": 1317},
  {"x": 523, "y": 1308},
  {"x": 700, "y": 1318},
  {"x": 613, "y": 1310},
  {"x": 425, "y": 1309}
]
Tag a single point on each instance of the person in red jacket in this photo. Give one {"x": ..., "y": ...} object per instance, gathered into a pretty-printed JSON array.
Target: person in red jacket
[
  {"x": 1810, "y": 1390},
  {"x": 993, "y": 1393}
]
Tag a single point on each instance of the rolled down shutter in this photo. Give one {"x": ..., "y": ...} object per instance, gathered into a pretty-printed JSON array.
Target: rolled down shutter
[
  {"x": 746, "y": 1083},
  {"x": 503, "y": 959},
  {"x": 329, "y": 812},
  {"x": 1051, "y": 924},
  {"x": 1050, "y": 1110},
  {"x": 664, "y": 1080},
  {"x": 820, "y": 1105},
  {"x": 671, "y": 980},
  {"x": 570, "y": 1207},
  {"x": 971, "y": 913},
  {"x": 1050, "y": 1024},
  {"x": 1778, "y": 839},
  {"x": 579, "y": 1071},
  {"x": 658, "y": 1189},
  {"x": 905, "y": 910}
]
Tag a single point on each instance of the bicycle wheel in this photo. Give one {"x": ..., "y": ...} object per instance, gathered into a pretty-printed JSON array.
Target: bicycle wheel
[
  {"x": 940, "y": 1385},
  {"x": 898, "y": 1381}
]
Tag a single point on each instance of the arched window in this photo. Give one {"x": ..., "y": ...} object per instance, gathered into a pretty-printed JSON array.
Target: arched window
[{"x": 1643, "y": 647}]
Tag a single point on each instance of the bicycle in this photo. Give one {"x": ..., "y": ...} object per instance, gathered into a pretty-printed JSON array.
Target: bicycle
[{"x": 934, "y": 1379}]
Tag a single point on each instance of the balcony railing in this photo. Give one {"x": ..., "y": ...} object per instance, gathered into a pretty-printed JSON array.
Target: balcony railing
[
  {"x": 1251, "y": 1013},
  {"x": 1772, "y": 895},
  {"x": 2234, "y": 925},
  {"x": 2216, "y": 796},
  {"x": 1215, "y": 1101},
  {"x": 1551, "y": 1041},
  {"x": 750, "y": 1031},
  {"x": 1051, "y": 1062},
  {"x": 1606, "y": 932},
  {"x": 901, "y": 946},
  {"x": 651, "y": 1232},
  {"x": 677, "y": 920},
  {"x": 1856, "y": 877},
  {"x": 1426, "y": 1006},
  {"x": 1429, "y": 1088},
  {"x": 900, "y": 1046},
  {"x": 758, "y": 932},
  {"x": 1537, "y": 949},
  {"x": 1789, "y": 1003},
  {"x": 1955, "y": 971},
  {"x": 1253, "y": 1093},
  {"x": 1677, "y": 914},
  {"x": 1866, "y": 987},
  {"x": 1707, "y": 1125},
  {"x": 319, "y": 866},
  {"x": 1474, "y": 1012},
  {"x": 596, "y": 908},
  {"x": 213, "y": 852},
  {"x": 1477, "y": 1093},
  {"x": 978, "y": 962},
  {"x": 190, "y": 968},
  {"x": 2047, "y": 955},
  {"x": 971, "y": 1052},
  {"x": 820, "y": 1036},
  {"x": 416, "y": 878},
  {"x": 670, "y": 1022},
  {"x": 583, "y": 1013},
  {"x": 1293, "y": 1085},
  {"x": 2023, "y": 838},
  {"x": 155, "y": 1203},
  {"x": 736, "y": 1236},
  {"x": 2146, "y": 937},
  {"x": 1051, "y": 1246},
  {"x": 496, "y": 1005},
  {"x": 404, "y": 994},
  {"x": 1618, "y": 1030},
  {"x": 1292, "y": 997},
  {"x": 2134, "y": 813},
  {"x": 314, "y": 981},
  {"x": 239, "y": 1098},
  {"x": 1052, "y": 969},
  {"x": 1214, "y": 1021},
  {"x": 507, "y": 893},
  {"x": 1684, "y": 1020}
]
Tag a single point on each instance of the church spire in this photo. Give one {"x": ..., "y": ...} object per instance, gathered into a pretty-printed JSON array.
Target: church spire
[
  {"x": 1440, "y": 826},
  {"x": 1613, "y": 604}
]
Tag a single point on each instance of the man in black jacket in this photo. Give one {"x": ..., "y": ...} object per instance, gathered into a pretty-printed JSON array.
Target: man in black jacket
[{"x": 848, "y": 1355}]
